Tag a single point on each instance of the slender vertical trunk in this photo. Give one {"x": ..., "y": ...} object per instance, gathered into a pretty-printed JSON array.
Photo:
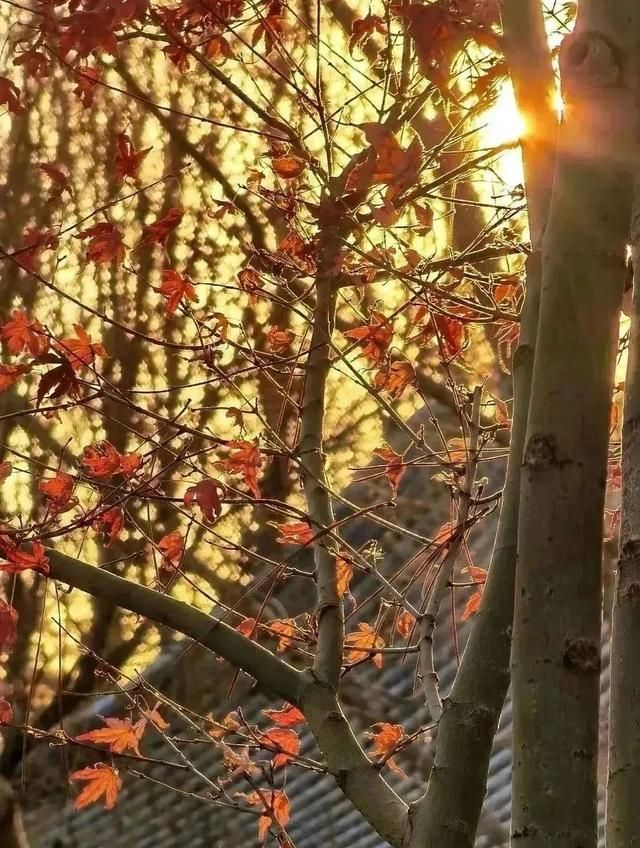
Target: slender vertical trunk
[
  {"x": 623, "y": 809},
  {"x": 556, "y": 649},
  {"x": 449, "y": 812}
]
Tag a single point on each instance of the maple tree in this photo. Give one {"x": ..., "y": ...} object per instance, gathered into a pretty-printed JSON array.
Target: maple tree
[{"x": 285, "y": 287}]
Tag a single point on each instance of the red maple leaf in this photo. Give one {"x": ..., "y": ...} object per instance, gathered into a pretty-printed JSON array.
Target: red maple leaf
[
  {"x": 87, "y": 80},
  {"x": 363, "y": 28},
  {"x": 8, "y": 625},
  {"x": 285, "y": 742},
  {"x": 105, "y": 243},
  {"x": 10, "y": 96},
  {"x": 176, "y": 288},
  {"x": 57, "y": 490},
  {"x": 10, "y": 374},
  {"x": 207, "y": 494},
  {"x": 34, "y": 243},
  {"x": 160, "y": 230},
  {"x": 34, "y": 62},
  {"x": 110, "y": 522},
  {"x": 19, "y": 559},
  {"x": 6, "y": 713},
  {"x": 21, "y": 333},
  {"x": 127, "y": 160},
  {"x": 59, "y": 180},
  {"x": 102, "y": 459}
]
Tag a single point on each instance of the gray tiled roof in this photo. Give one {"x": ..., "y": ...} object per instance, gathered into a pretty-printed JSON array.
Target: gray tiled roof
[{"x": 149, "y": 815}]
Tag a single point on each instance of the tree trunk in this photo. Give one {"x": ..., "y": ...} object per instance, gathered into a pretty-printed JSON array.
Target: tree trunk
[
  {"x": 449, "y": 812},
  {"x": 623, "y": 810},
  {"x": 556, "y": 650}
]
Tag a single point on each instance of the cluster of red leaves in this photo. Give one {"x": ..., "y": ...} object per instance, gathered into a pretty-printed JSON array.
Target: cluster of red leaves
[
  {"x": 110, "y": 523},
  {"x": 103, "y": 460},
  {"x": 17, "y": 558},
  {"x": 374, "y": 338}
]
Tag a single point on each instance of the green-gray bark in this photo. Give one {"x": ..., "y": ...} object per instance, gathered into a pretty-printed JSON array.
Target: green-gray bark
[
  {"x": 623, "y": 809},
  {"x": 556, "y": 649}
]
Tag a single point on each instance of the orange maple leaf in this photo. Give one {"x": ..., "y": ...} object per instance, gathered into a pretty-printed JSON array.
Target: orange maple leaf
[
  {"x": 101, "y": 780},
  {"x": 277, "y": 808},
  {"x": 405, "y": 624},
  {"x": 79, "y": 350},
  {"x": 284, "y": 629},
  {"x": 295, "y": 533},
  {"x": 395, "y": 378},
  {"x": 285, "y": 742},
  {"x": 386, "y": 738},
  {"x": 102, "y": 459},
  {"x": 119, "y": 734},
  {"x": 344, "y": 574},
  {"x": 395, "y": 468},
  {"x": 288, "y": 167},
  {"x": 361, "y": 642},
  {"x": 171, "y": 547},
  {"x": 245, "y": 458},
  {"x": 57, "y": 490},
  {"x": 472, "y": 606},
  {"x": 176, "y": 288},
  {"x": 374, "y": 337},
  {"x": 219, "y": 729},
  {"x": 288, "y": 716}
]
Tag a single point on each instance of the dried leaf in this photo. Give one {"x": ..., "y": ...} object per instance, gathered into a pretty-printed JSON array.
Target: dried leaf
[{"x": 361, "y": 642}]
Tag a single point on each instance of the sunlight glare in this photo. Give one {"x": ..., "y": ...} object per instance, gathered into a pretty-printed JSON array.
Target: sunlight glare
[{"x": 504, "y": 123}]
